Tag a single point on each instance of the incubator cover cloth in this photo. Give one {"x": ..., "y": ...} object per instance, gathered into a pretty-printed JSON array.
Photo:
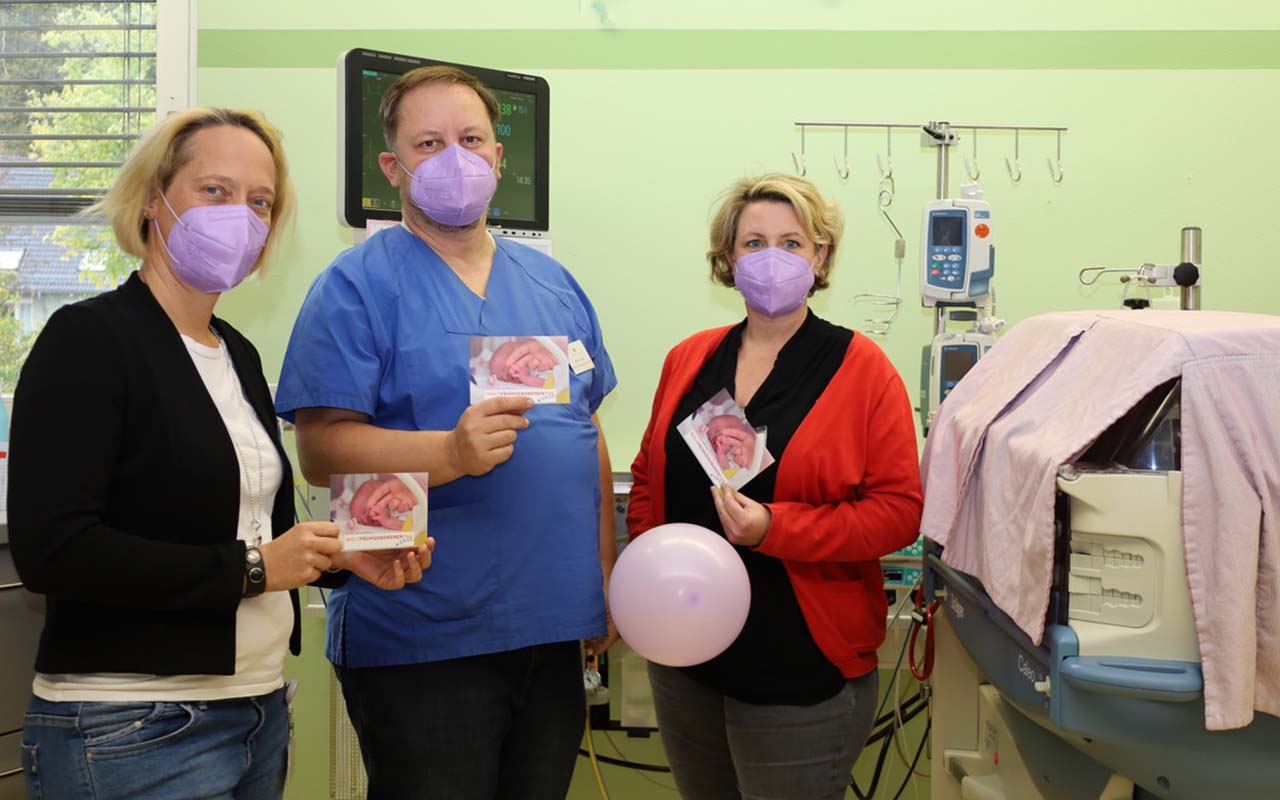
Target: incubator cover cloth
[{"x": 1042, "y": 395}]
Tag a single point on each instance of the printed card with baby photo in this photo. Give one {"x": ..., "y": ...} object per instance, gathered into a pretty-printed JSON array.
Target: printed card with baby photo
[
  {"x": 728, "y": 448},
  {"x": 536, "y": 367},
  {"x": 379, "y": 511}
]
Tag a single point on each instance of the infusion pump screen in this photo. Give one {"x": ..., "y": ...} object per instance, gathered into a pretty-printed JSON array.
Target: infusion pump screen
[
  {"x": 957, "y": 361},
  {"x": 515, "y": 198},
  {"x": 946, "y": 231}
]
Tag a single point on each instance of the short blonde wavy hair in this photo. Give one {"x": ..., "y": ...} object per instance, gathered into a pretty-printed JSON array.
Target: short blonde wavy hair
[
  {"x": 820, "y": 218},
  {"x": 166, "y": 149}
]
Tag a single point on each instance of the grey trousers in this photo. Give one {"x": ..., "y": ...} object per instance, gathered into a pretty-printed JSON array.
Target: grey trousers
[{"x": 724, "y": 749}]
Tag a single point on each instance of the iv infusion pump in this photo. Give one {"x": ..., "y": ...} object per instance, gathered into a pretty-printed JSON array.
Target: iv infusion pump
[{"x": 958, "y": 258}]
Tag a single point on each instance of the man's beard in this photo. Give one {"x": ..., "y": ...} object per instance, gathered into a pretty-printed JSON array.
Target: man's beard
[{"x": 428, "y": 222}]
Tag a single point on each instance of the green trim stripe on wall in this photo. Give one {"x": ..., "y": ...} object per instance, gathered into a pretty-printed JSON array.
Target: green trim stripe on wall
[{"x": 757, "y": 49}]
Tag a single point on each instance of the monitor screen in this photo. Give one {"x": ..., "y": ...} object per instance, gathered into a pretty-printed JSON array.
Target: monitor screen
[
  {"x": 947, "y": 230},
  {"x": 520, "y": 202},
  {"x": 957, "y": 360}
]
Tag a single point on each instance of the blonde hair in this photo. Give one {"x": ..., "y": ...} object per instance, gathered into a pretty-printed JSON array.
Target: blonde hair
[
  {"x": 821, "y": 220},
  {"x": 389, "y": 108},
  {"x": 165, "y": 150}
]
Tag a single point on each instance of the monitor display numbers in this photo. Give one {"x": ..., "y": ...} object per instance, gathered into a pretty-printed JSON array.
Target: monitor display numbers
[{"x": 515, "y": 197}]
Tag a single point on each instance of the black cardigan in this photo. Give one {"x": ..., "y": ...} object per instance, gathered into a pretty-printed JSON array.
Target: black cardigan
[{"x": 124, "y": 492}]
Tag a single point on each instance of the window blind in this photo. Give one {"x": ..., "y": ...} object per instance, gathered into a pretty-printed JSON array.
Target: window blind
[{"x": 77, "y": 88}]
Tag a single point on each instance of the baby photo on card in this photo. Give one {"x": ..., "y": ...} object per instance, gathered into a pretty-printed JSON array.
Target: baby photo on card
[
  {"x": 536, "y": 367},
  {"x": 728, "y": 448},
  {"x": 379, "y": 511}
]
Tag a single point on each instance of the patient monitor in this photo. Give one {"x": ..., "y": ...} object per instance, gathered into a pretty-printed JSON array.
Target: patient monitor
[{"x": 519, "y": 208}]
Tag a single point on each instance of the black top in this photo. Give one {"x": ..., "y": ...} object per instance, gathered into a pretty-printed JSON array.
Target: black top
[
  {"x": 775, "y": 659},
  {"x": 124, "y": 491}
]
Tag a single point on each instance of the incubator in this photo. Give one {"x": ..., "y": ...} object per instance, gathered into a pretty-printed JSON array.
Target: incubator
[{"x": 1111, "y": 703}]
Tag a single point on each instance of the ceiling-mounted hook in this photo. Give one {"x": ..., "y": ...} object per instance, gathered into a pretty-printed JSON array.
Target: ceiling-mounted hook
[
  {"x": 974, "y": 170},
  {"x": 886, "y": 173},
  {"x": 1056, "y": 174},
  {"x": 843, "y": 173},
  {"x": 802, "y": 165},
  {"x": 1015, "y": 169}
]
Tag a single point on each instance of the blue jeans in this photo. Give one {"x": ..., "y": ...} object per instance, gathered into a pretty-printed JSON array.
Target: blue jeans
[
  {"x": 496, "y": 726},
  {"x": 720, "y": 748},
  {"x": 220, "y": 750}
]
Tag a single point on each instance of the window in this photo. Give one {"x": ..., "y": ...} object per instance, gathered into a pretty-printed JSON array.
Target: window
[{"x": 78, "y": 86}]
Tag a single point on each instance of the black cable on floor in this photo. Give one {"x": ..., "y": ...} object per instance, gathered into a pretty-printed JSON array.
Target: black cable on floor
[
  {"x": 886, "y": 733},
  {"x": 875, "y": 776},
  {"x": 888, "y": 715},
  {"x": 909, "y": 712},
  {"x": 618, "y": 762},
  {"x": 912, "y": 769}
]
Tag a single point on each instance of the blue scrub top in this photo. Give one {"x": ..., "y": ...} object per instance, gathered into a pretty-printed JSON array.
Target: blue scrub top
[{"x": 385, "y": 331}]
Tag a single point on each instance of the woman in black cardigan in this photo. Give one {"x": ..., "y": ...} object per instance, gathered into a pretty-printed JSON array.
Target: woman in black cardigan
[{"x": 150, "y": 499}]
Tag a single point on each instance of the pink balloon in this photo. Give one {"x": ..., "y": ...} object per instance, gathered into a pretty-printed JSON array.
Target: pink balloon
[{"x": 679, "y": 594}]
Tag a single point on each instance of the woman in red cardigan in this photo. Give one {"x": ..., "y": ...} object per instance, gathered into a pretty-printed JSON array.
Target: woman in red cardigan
[{"x": 785, "y": 710}]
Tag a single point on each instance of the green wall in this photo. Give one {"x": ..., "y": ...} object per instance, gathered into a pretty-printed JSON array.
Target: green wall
[
  {"x": 658, "y": 105},
  {"x": 649, "y": 125}
]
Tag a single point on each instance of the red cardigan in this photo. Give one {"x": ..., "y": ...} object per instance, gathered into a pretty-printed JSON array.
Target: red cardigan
[{"x": 847, "y": 492}]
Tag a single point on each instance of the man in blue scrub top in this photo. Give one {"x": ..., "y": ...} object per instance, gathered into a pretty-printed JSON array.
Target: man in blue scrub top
[{"x": 468, "y": 684}]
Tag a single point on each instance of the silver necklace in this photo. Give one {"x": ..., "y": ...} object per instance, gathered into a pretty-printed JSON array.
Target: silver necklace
[{"x": 255, "y": 498}]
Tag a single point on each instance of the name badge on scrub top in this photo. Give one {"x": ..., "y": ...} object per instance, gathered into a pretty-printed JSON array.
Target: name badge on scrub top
[
  {"x": 536, "y": 367},
  {"x": 578, "y": 358}
]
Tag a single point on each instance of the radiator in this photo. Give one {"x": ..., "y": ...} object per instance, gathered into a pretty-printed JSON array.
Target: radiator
[{"x": 347, "y": 780}]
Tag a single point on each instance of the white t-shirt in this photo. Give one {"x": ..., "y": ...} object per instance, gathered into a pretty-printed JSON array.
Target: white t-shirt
[{"x": 263, "y": 623}]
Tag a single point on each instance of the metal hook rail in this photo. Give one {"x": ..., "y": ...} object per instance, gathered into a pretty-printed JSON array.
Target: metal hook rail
[{"x": 939, "y": 134}]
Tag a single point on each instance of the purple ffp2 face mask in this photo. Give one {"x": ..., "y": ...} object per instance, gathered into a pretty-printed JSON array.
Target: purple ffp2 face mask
[
  {"x": 213, "y": 248},
  {"x": 773, "y": 281},
  {"x": 453, "y": 187}
]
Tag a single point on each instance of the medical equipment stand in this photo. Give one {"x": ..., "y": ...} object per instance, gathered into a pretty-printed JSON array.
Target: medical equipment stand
[
  {"x": 939, "y": 134},
  {"x": 1186, "y": 275},
  {"x": 1190, "y": 256}
]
